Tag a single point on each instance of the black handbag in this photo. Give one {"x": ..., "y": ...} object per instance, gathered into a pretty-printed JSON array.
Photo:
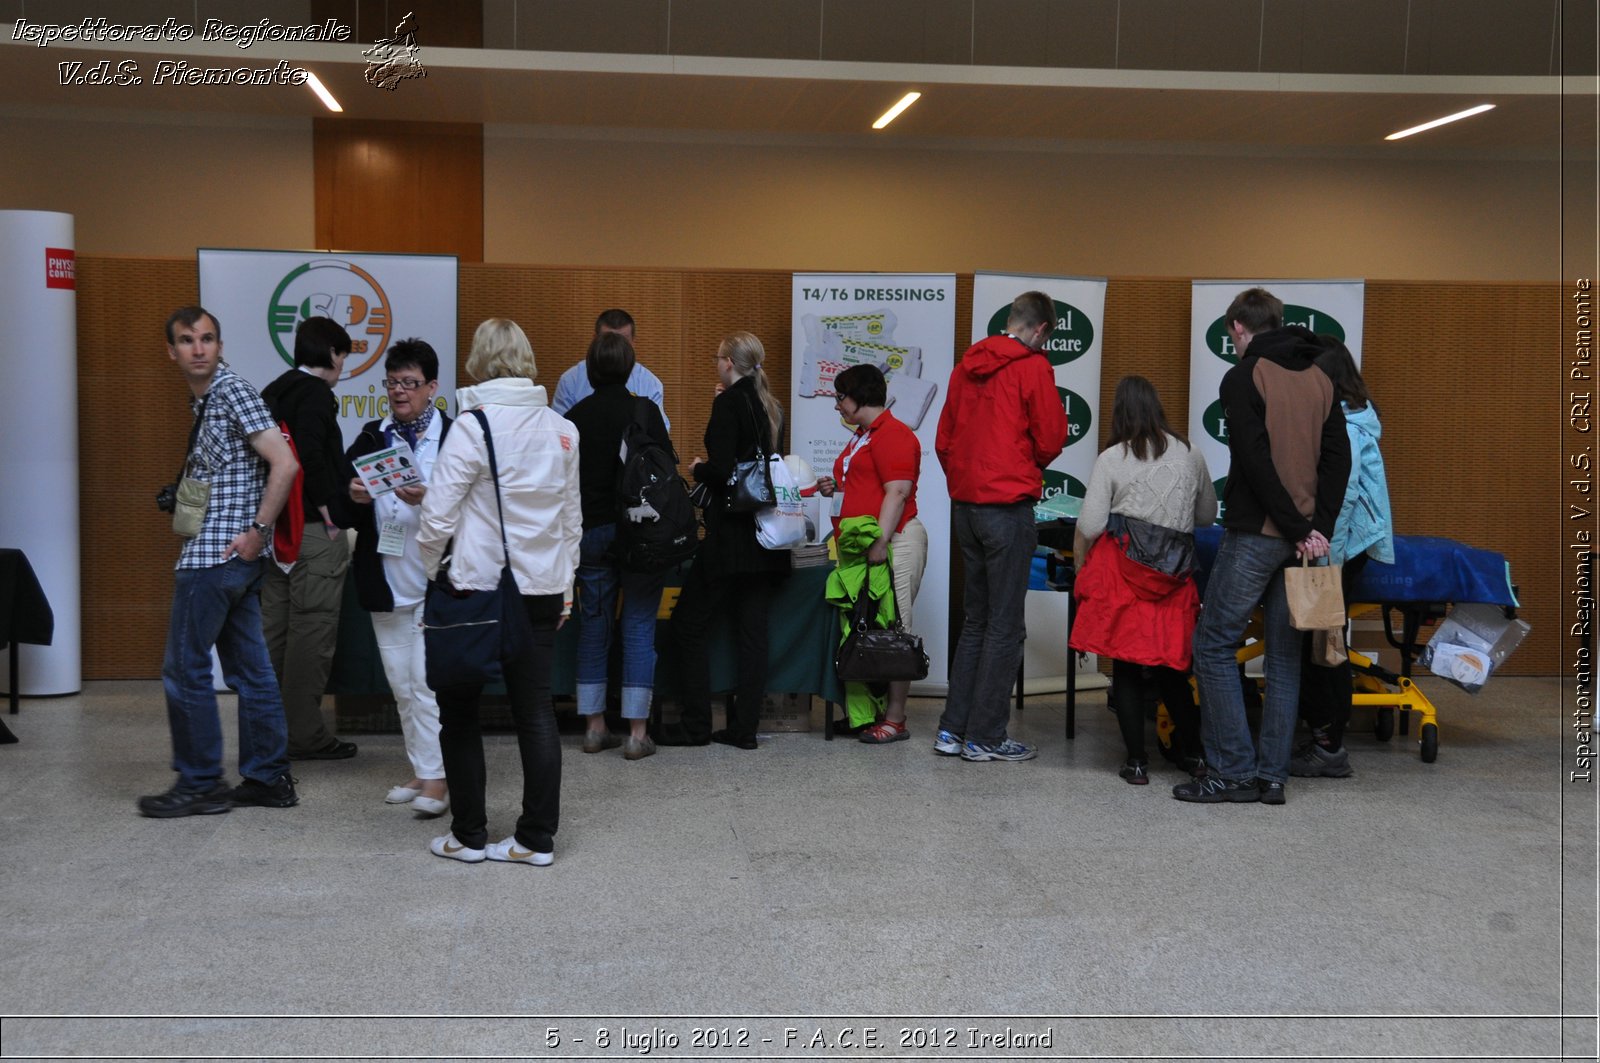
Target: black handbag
[
  {"x": 872, "y": 654},
  {"x": 466, "y": 635},
  {"x": 750, "y": 484}
]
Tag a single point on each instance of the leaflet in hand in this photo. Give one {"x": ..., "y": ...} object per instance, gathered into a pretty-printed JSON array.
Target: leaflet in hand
[{"x": 388, "y": 470}]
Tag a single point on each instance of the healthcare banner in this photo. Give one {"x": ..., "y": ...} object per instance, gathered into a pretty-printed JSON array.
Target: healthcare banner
[
  {"x": 260, "y": 297},
  {"x": 1074, "y": 351},
  {"x": 1334, "y": 307},
  {"x": 905, "y": 324}
]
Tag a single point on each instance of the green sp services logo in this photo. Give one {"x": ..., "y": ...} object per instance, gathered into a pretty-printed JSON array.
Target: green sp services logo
[
  {"x": 336, "y": 289},
  {"x": 1219, "y": 343},
  {"x": 1070, "y": 340}
]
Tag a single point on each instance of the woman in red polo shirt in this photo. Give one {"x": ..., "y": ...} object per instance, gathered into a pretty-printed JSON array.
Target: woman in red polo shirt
[{"x": 877, "y": 473}]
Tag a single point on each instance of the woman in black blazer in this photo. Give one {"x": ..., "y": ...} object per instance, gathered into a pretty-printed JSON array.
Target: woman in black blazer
[{"x": 732, "y": 572}]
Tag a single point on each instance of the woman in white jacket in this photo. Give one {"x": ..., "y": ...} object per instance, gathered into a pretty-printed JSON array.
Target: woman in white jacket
[{"x": 537, "y": 453}]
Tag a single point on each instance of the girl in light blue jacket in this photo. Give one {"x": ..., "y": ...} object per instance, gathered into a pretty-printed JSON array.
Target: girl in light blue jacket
[{"x": 1364, "y": 529}]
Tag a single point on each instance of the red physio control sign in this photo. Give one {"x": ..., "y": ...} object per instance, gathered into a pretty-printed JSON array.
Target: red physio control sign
[{"x": 60, "y": 268}]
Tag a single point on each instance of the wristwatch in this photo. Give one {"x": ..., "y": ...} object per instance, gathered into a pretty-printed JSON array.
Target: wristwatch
[{"x": 264, "y": 529}]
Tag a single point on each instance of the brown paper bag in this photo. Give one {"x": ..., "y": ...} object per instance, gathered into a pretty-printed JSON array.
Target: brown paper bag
[
  {"x": 1327, "y": 647},
  {"x": 1316, "y": 598}
]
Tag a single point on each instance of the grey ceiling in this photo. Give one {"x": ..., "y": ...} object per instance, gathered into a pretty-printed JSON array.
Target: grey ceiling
[{"x": 1326, "y": 75}]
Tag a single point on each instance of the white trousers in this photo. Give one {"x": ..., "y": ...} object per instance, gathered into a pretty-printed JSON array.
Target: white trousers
[
  {"x": 909, "y": 547},
  {"x": 405, "y": 665}
]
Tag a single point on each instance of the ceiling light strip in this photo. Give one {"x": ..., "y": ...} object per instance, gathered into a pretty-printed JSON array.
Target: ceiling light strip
[
  {"x": 322, "y": 92},
  {"x": 894, "y": 112},
  {"x": 1468, "y": 113}
]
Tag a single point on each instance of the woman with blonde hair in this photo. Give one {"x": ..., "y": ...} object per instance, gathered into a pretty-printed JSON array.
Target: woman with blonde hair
[
  {"x": 536, "y": 452},
  {"x": 732, "y": 572}
]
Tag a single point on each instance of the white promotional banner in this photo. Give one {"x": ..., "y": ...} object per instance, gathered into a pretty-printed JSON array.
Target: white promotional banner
[
  {"x": 1334, "y": 307},
  {"x": 39, "y": 476},
  {"x": 1074, "y": 351},
  {"x": 259, "y": 297},
  {"x": 905, "y": 324}
]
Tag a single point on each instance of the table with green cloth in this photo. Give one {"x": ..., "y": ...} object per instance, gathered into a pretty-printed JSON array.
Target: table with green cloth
[{"x": 802, "y": 634}]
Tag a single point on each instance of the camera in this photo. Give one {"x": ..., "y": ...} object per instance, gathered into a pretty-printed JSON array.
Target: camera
[{"x": 167, "y": 498}]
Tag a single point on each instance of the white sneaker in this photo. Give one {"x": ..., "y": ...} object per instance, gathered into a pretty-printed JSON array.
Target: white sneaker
[
  {"x": 512, "y": 853},
  {"x": 430, "y": 806},
  {"x": 447, "y": 847},
  {"x": 402, "y": 795}
]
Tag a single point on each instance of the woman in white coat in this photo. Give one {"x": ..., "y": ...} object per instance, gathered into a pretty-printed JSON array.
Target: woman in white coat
[{"x": 537, "y": 453}]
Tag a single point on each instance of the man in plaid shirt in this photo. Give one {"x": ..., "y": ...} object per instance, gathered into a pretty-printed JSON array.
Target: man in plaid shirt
[{"x": 216, "y": 600}]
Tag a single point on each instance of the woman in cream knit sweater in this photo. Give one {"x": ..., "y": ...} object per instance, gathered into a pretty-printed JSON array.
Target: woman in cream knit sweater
[{"x": 1137, "y": 601}]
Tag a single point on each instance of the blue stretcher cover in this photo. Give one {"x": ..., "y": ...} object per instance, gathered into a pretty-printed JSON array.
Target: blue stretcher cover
[{"x": 1426, "y": 569}]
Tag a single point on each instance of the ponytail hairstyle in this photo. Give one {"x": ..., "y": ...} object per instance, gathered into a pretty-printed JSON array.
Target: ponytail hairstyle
[{"x": 744, "y": 350}]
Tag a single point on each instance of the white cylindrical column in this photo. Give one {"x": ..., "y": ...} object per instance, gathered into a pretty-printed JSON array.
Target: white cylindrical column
[{"x": 39, "y": 434}]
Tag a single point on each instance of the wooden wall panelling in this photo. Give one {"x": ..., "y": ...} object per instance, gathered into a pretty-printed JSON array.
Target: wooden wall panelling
[
  {"x": 1147, "y": 333},
  {"x": 1465, "y": 380},
  {"x": 557, "y": 308},
  {"x": 407, "y": 187},
  {"x": 716, "y": 303},
  {"x": 1471, "y": 423},
  {"x": 133, "y": 421}
]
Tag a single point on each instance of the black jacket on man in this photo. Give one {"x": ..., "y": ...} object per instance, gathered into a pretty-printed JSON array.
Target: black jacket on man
[
  {"x": 1288, "y": 449},
  {"x": 306, "y": 404}
]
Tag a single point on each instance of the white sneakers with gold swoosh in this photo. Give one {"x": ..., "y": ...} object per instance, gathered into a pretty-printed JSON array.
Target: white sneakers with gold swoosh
[
  {"x": 510, "y": 852},
  {"x": 447, "y": 847}
]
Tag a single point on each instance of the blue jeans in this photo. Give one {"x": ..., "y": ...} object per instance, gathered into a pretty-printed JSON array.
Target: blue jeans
[
  {"x": 221, "y": 606},
  {"x": 599, "y": 578},
  {"x": 1248, "y": 570},
  {"x": 997, "y": 544}
]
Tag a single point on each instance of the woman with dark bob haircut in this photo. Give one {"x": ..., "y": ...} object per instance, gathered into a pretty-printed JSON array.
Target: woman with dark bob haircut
[
  {"x": 602, "y": 418},
  {"x": 878, "y": 471}
]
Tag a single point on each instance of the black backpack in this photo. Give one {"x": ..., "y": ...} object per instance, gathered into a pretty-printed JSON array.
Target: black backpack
[{"x": 656, "y": 525}]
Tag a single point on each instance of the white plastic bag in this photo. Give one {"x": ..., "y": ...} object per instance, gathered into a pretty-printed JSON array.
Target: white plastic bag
[
  {"x": 782, "y": 526},
  {"x": 1472, "y": 644}
]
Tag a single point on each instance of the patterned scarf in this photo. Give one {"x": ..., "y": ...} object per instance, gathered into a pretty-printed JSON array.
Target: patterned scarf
[{"x": 411, "y": 431}]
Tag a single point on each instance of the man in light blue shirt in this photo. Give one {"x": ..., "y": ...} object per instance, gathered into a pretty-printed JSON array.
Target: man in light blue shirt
[{"x": 574, "y": 385}]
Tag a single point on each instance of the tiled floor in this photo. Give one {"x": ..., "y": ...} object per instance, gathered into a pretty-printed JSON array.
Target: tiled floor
[{"x": 821, "y": 886}]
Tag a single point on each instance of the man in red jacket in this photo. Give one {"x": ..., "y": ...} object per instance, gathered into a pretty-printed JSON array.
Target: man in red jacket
[{"x": 1003, "y": 422}]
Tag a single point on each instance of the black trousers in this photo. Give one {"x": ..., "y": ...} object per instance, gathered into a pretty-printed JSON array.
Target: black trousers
[
  {"x": 706, "y": 595},
  {"x": 527, "y": 680},
  {"x": 1325, "y": 692},
  {"x": 1173, "y": 688}
]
